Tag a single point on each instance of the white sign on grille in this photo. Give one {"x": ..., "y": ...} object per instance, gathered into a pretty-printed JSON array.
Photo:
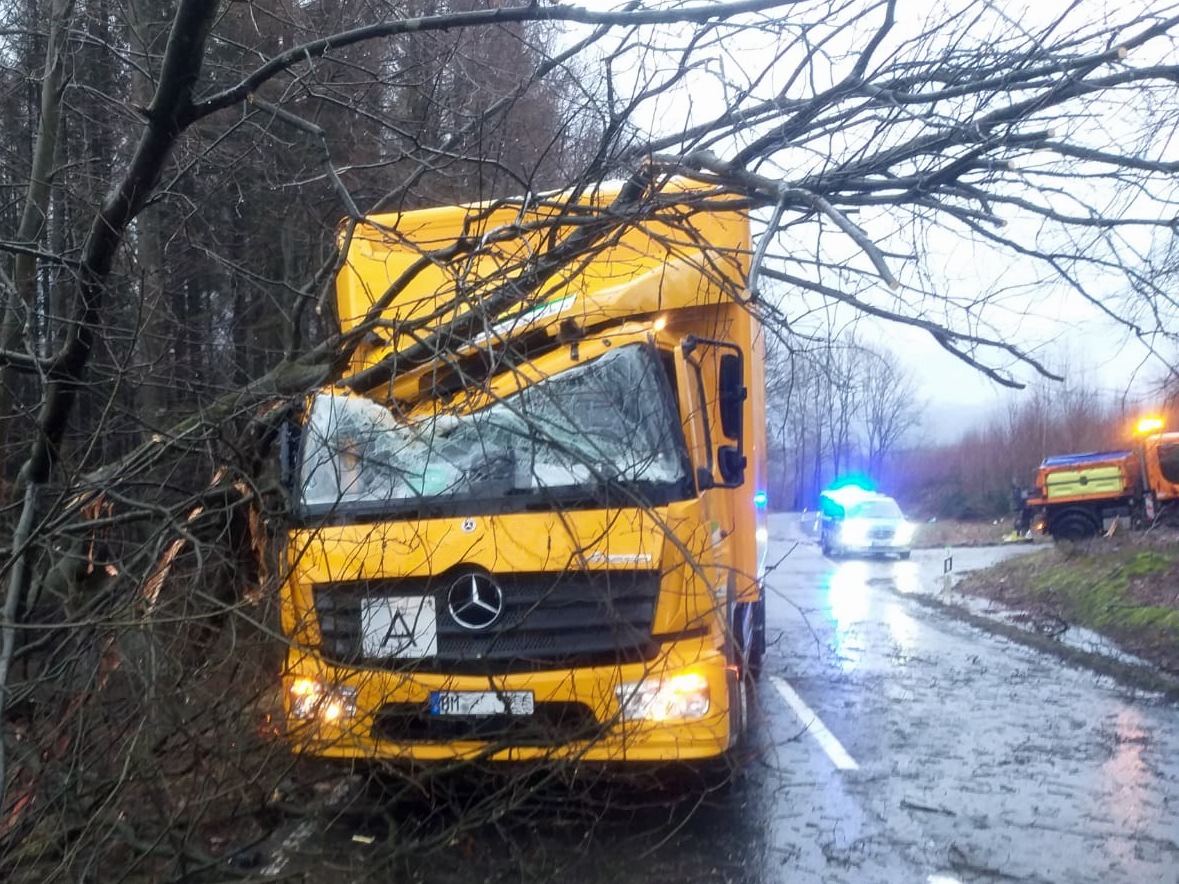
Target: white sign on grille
[{"x": 401, "y": 627}]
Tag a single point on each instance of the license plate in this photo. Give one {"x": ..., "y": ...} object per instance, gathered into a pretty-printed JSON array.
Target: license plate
[{"x": 481, "y": 703}]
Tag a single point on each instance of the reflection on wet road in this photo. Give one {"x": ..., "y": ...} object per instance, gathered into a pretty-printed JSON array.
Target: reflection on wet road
[
  {"x": 979, "y": 759},
  {"x": 972, "y": 759}
]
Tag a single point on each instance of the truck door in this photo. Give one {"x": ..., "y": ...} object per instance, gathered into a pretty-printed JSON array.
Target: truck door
[
  {"x": 698, "y": 372},
  {"x": 1163, "y": 467}
]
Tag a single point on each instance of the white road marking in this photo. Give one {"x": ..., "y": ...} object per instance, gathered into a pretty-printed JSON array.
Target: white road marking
[
  {"x": 814, "y": 726},
  {"x": 307, "y": 828},
  {"x": 941, "y": 879}
]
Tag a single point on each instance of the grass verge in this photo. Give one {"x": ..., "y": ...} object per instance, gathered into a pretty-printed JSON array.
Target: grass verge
[{"x": 1125, "y": 588}]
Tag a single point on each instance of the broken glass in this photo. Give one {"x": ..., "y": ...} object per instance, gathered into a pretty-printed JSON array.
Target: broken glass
[{"x": 608, "y": 422}]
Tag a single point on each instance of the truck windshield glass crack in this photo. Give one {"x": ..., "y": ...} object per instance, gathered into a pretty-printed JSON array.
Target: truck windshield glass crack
[{"x": 611, "y": 421}]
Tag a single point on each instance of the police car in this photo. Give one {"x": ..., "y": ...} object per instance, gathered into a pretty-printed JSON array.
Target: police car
[{"x": 854, "y": 521}]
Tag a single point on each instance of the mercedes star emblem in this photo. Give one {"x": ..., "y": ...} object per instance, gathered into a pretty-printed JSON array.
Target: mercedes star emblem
[{"x": 475, "y": 601}]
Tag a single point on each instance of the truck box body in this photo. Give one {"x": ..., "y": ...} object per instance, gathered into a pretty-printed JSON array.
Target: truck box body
[{"x": 1095, "y": 474}]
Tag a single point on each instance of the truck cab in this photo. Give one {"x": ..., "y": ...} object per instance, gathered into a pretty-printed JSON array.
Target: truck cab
[{"x": 542, "y": 537}]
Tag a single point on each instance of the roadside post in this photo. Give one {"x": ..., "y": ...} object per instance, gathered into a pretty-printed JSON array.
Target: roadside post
[{"x": 947, "y": 571}]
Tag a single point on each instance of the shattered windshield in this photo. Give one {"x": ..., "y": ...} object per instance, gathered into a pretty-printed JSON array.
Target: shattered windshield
[{"x": 611, "y": 423}]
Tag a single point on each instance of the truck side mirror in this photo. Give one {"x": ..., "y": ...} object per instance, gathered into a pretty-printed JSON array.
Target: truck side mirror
[
  {"x": 733, "y": 394},
  {"x": 731, "y": 461}
]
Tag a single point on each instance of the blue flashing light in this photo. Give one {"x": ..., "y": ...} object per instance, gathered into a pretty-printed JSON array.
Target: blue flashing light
[
  {"x": 847, "y": 495},
  {"x": 760, "y": 499},
  {"x": 855, "y": 482},
  {"x": 845, "y": 492}
]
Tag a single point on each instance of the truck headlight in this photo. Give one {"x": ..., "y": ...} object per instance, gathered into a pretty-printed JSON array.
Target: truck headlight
[
  {"x": 311, "y": 698},
  {"x": 679, "y": 696},
  {"x": 905, "y": 532}
]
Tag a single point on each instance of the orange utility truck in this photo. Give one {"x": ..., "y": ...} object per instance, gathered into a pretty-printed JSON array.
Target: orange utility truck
[
  {"x": 531, "y": 516},
  {"x": 1075, "y": 495}
]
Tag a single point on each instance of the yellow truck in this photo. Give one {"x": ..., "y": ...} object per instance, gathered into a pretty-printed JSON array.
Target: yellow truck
[{"x": 530, "y": 520}]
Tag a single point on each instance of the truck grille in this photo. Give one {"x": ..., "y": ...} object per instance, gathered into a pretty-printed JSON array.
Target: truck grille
[
  {"x": 549, "y": 620},
  {"x": 882, "y": 532}
]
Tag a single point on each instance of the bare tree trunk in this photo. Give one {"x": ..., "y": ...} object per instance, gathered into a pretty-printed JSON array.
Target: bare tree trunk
[
  {"x": 143, "y": 32},
  {"x": 22, "y": 302}
]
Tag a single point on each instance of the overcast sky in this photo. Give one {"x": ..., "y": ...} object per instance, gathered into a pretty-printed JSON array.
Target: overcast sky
[{"x": 1026, "y": 304}]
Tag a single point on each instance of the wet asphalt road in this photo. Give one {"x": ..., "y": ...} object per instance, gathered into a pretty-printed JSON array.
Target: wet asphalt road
[{"x": 893, "y": 744}]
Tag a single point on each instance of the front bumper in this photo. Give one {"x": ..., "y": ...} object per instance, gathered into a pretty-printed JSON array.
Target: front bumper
[
  {"x": 577, "y": 715},
  {"x": 876, "y": 549}
]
